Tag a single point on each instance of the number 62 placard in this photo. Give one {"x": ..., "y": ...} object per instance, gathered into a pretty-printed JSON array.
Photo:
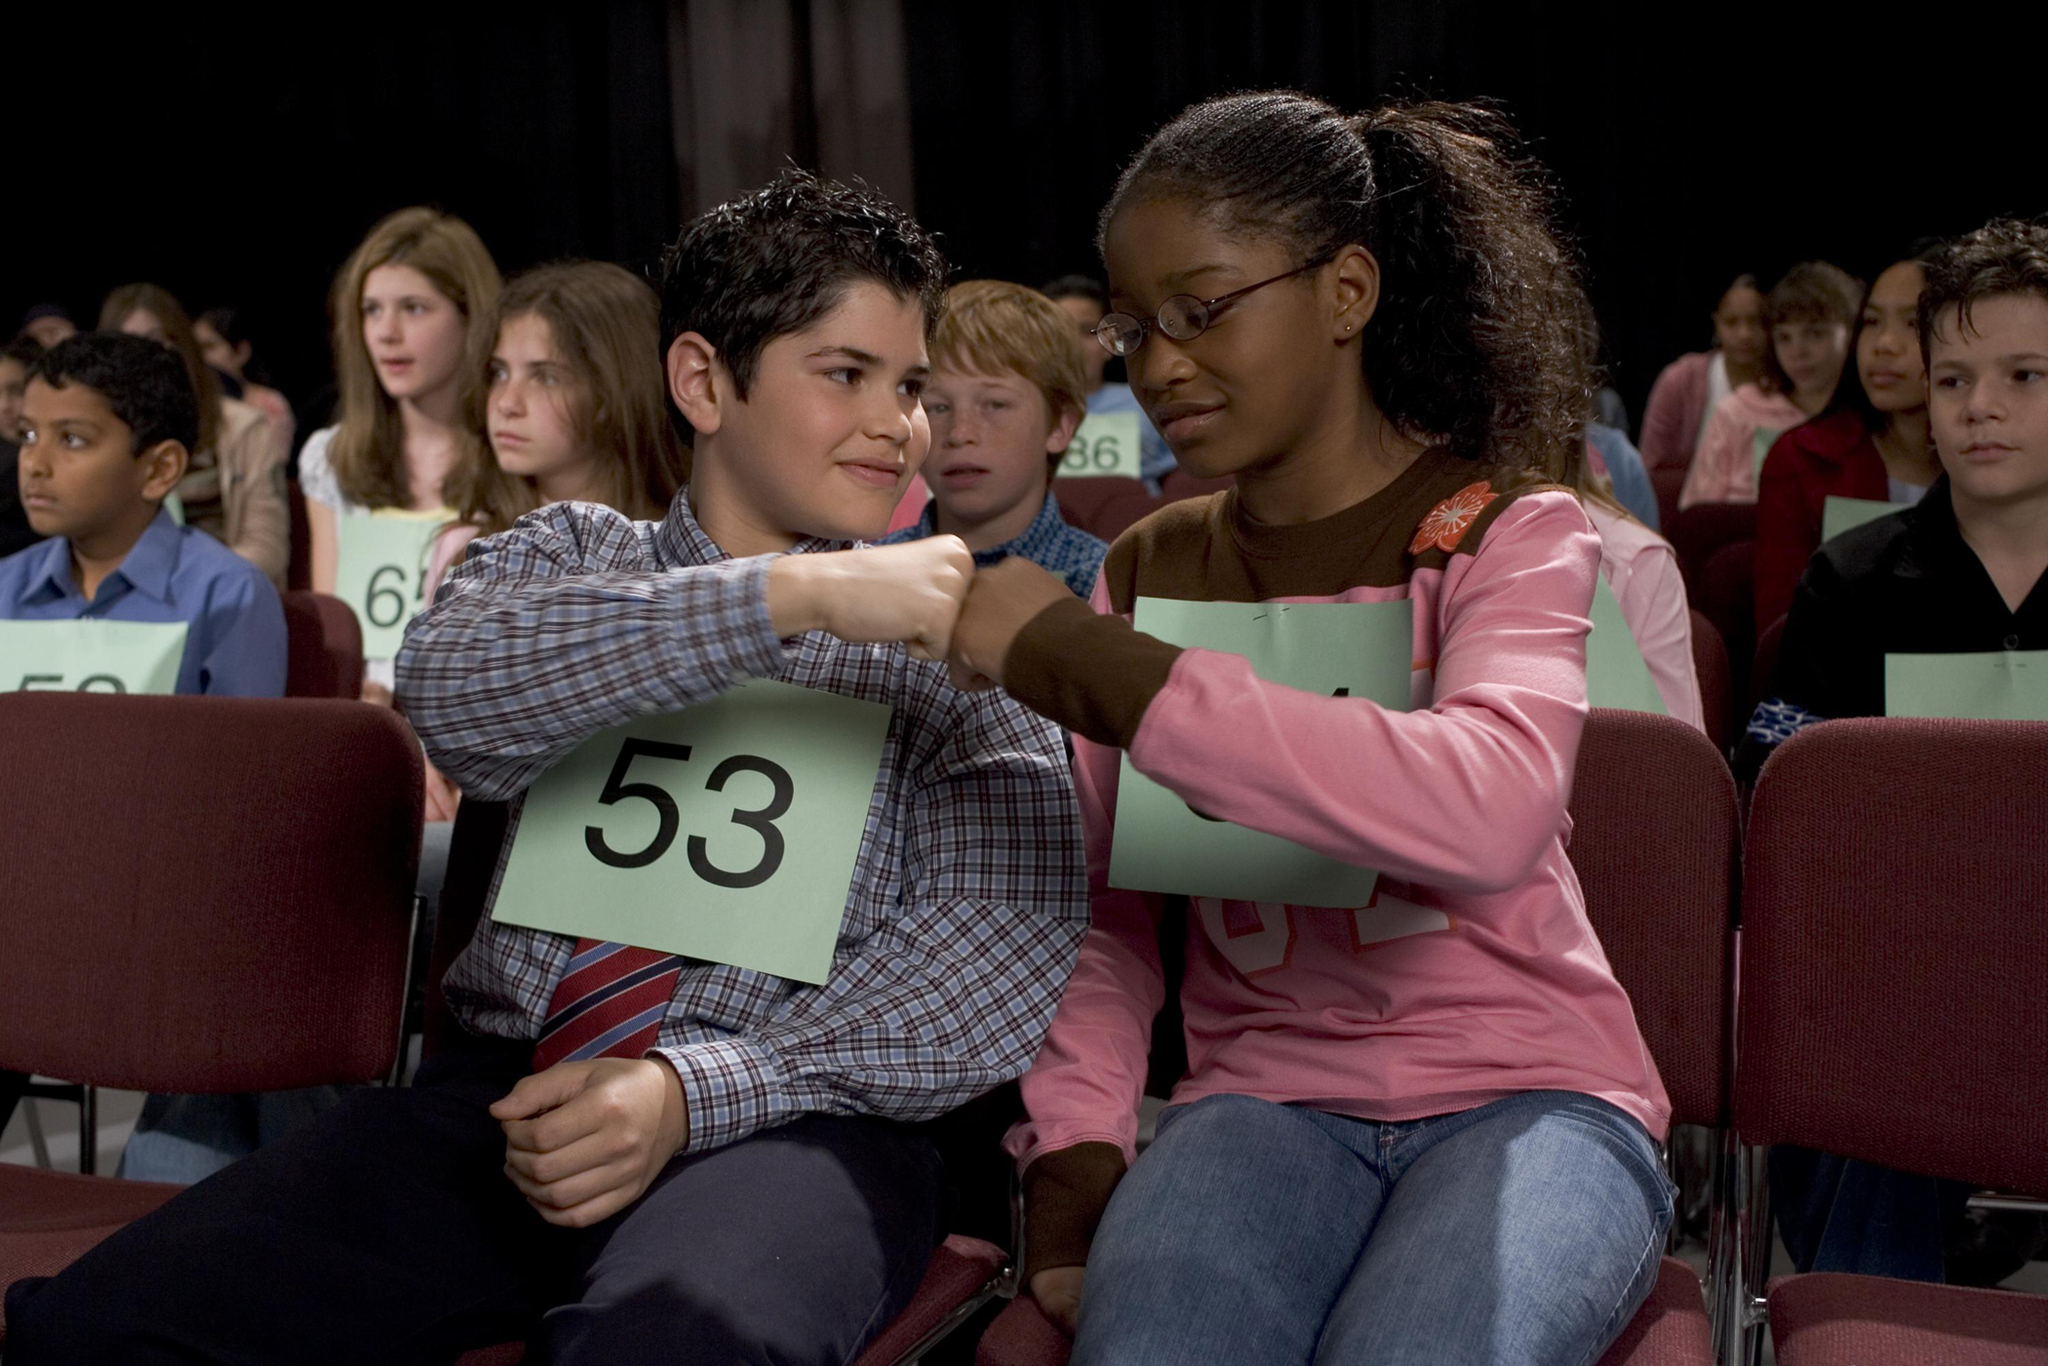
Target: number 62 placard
[{"x": 727, "y": 831}]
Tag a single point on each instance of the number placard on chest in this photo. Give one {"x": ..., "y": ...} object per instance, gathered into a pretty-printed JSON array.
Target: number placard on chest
[
  {"x": 1104, "y": 445},
  {"x": 91, "y": 656},
  {"x": 1996, "y": 685},
  {"x": 381, "y": 571},
  {"x": 1350, "y": 649},
  {"x": 727, "y": 832},
  {"x": 1616, "y": 673},
  {"x": 1846, "y": 514}
]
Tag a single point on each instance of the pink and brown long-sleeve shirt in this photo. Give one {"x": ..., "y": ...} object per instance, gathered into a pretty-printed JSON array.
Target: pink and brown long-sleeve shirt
[{"x": 1474, "y": 974}]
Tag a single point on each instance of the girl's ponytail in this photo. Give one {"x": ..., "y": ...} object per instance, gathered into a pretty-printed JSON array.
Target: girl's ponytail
[{"x": 1482, "y": 333}]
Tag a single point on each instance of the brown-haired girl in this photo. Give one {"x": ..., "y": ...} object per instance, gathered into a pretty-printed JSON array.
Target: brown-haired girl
[
  {"x": 234, "y": 489},
  {"x": 574, "y": 409},
  {"x": 411, "y": 368}
]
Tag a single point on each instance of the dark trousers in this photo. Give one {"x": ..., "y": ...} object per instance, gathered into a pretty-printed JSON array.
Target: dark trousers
[
  {"x": 386, "y": 1231},
  {"x": 1838, "y": 1214}
]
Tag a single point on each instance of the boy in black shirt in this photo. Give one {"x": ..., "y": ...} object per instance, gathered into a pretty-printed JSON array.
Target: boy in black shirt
[{"x": 1961, "y": 573}]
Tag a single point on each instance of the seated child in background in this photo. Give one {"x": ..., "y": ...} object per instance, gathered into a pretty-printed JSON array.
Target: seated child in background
[
  {"x": 1870, "y": 444},
  {"x": 108, "y": 423},
  {"x": 107, "y": 426},
  {"x": 1960, "y": 572},
  {"x": 713, "y": 1164},
  {"x": 1806, "y": 316},
  {"x": 576, "y": 409},
  {"x": 15, "y": 359},
  {"x": 1085, "y": 301},
  {"x": 1004, "y": 398}
]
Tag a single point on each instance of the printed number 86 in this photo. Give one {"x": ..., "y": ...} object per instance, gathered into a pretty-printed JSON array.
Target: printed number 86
[
  {"x": 761, "y": 822},
  {"x": 1103, "y": 455}
]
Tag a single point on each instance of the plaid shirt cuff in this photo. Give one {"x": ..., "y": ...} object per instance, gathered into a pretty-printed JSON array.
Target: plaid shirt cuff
[{"x": 731, "y": 1089}]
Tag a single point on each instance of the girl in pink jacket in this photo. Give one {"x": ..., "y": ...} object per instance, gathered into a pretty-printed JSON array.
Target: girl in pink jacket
[{"x": 1418, "y": 1122}]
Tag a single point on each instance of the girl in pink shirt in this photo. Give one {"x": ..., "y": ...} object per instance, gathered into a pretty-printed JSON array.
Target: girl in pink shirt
[{"x": 1418, "y": 1123}]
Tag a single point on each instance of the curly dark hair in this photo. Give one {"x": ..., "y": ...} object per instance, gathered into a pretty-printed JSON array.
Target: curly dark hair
[
  {"x": 2005, "y": 256},
  {"x": 1480, "y": 337},
  {"x": 143, "y": 381},
  {"x": 24, "y": 349},
  {"x": 775, "y": 261}
]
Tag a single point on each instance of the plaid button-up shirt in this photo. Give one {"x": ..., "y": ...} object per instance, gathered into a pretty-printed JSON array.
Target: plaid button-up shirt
[{"x": 968, "y": 902}]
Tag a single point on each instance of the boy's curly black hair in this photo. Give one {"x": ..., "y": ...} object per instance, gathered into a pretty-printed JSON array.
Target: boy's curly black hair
[
  {"x": 2005, "y": 256},
  {"x": 775, "y": 261},
  {"x": 143, "y": 381},
  {"x": 1480, "y": 336}
]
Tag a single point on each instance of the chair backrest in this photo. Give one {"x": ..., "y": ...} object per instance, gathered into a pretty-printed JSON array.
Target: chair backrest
[
  {"x": 1668, "y": 481},
  {"x": 298, "y": 572},
  {"x": 323, "y": 647},
  {"x": 204, "y": 894},
  {"x": 1656, "y": 849},
  {"x": 1080, "y": 499},
  {"x": 473, "y": 850},
  {"x": 1179, "y": 484},
  {"x": 1710, "y": 665},
  {"x": 1727, "y": 595},
  {"x": 1895, "y": 949},
  {"x": 1766, "y": 664},
  {"x": 1704, "y": 528},
  {"x": 1121, "y": 513}
]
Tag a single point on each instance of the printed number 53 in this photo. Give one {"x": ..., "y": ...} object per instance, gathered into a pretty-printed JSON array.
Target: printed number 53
[{"x": 761, "y": 822}]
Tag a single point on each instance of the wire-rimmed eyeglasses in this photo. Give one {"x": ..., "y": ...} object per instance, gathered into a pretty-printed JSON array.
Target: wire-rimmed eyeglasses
[{"x": 1182, "y": 317}]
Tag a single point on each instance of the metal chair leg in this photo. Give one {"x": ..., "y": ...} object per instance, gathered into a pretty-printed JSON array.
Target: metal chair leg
[
  {"x": 33, "y": 1118},
  {"x": 89, "y": 1131}
]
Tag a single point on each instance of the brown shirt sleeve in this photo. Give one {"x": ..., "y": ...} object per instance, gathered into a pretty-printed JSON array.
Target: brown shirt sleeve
[
  {"x": 1093, "y": 674},
  {"x": 1065, "y": 1192}
]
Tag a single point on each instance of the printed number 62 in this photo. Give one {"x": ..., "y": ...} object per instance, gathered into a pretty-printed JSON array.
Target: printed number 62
[{"x": 761, "y": 822}]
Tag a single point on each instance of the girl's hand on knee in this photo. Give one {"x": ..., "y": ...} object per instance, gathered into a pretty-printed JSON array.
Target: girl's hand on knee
[{"x": 1058, "y": 1292}]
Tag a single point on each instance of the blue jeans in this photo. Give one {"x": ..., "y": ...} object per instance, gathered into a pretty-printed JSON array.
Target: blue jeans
[
  {"x": 188, "y": 1138},
  {"x": 1527, "y": 1230}
]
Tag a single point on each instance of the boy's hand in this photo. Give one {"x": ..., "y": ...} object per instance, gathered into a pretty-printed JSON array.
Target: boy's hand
[
  {"x": 583, "y": 1140},
  {"x": 1058, "y": 1292},
  {"x": 1000, "y": 601},
  {"x": 909, "y": 592}
]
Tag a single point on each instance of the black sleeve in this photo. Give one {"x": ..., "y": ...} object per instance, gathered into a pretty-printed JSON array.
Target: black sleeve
[{"x": 1830, "y": 664}]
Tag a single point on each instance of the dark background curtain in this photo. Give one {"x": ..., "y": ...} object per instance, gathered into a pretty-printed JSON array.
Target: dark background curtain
[{"x": 237, "y": 155}]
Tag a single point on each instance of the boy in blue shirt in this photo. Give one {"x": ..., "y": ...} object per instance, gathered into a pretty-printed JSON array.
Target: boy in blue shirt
[
  {"x": 1005, "y": 395},
  {"x": 108, "y": 424}
]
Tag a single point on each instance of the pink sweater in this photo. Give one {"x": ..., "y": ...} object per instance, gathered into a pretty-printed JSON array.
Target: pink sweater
[
  {"x": 1678, "y": 404},
  {"x": 1474, "y": 974},
  {"x": 1725, "y": 470}
]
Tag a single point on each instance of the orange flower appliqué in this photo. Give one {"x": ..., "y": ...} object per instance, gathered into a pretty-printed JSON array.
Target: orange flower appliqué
[{"x": 1449, "y": 520}]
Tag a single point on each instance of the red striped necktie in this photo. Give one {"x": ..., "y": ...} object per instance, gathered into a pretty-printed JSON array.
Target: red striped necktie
[{"x": 609, "y": 1004}]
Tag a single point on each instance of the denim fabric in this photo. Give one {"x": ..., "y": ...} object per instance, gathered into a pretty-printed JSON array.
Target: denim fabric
[{"x": 1526, "y": 1230}]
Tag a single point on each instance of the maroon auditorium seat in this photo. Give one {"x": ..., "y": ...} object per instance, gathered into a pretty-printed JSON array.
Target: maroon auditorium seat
[
  {"x": 1179, "y": 484},
  {"x": 1121, "y": 513},
  {"x": 323, "y": 647},
  {"x": 1081, "y": 498},
  {"x": 283, "y": 915},
  {"x": 1894, "y": 962},
  {"x": 1717, "y": 691},
  {"x": 298, "y": 572}
]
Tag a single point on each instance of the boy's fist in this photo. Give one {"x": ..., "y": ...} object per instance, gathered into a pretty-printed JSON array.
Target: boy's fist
[{"x": 910, "y": 592}]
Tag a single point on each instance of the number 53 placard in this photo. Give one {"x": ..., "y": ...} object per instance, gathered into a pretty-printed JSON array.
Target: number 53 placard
[{"x": 728, "y": 831}]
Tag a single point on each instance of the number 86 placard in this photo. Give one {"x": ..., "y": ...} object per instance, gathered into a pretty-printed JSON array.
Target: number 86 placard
[{"x": 728, "y": 831}]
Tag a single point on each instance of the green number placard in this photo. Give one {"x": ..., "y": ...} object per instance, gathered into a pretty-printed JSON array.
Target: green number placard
[
  {"x": 727, "y": 831},
  {"x": 1616, "y": 674},
  {"x": 2001, "y": 685},
  {"x": 1846, "y": 514},
  {"x": 1760, "y": 449},
  {"x": 381, "y": 572},
  {"x": 1352, "y": 649},
  {"x": 1104, "y": 445},
  {"x": 91, "y": 656}
]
